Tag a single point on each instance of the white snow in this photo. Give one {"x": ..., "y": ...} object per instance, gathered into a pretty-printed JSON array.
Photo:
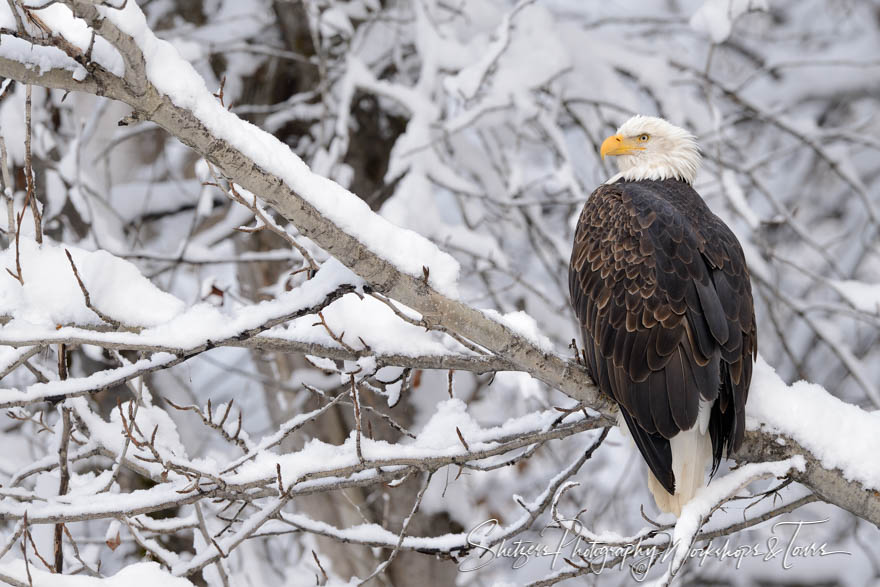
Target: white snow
[
  {"x": 199, "y": 324},
  {"x": 79, "y": 385},
  {"x": 700, "y": 506},
  {"x": 369, "y": 321},
  {"x": 437, "y": 437},
  {"x": 176, "y": 78},
  {"x": 9, "y": 356},
  {"x": 808, "y": 414},
  {"x": 524, "y": 325},
  {"x": 61, "y": 21},
  {"x": 148, "y": 418},
  {"x": 147, "y": 574},
  {"x": 98, "y": 505},
  {"x": 371, "y": 532},
  {"x": 51, "y": 296},
  {"x": 38, "y": 57},
  {"x": 359, "y": 321}
]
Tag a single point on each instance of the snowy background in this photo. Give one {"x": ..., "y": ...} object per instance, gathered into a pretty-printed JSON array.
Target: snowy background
[{"x": 222, "y": 355}]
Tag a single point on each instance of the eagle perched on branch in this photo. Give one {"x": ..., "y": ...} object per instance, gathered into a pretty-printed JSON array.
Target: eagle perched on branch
[{"x": 662, "y": 293}]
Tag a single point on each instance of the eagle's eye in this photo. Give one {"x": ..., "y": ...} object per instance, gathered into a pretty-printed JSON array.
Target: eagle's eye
[{"x": 644, "y": 138}]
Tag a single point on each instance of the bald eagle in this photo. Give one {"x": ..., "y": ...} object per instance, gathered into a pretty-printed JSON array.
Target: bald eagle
[{"x": 662, "y": 293}]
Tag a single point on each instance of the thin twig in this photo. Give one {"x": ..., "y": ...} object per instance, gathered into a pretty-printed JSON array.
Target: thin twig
[
  {"x": 27, "y": 564},
  {"x": 114, "y": 475},
  {"x": 355, "y": 399},
  {"x": 88, "y": 299},
  {"x": 64, "y": 483},
  {"x": 8, "y": 187},
  {"x": 415, "y": 508},
  {"x": 203, "y": 529},
  {"x": 29, "y": 170}
]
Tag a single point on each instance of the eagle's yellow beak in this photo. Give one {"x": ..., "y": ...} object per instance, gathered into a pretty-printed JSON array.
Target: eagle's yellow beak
[{"x": 619, "y": 145}]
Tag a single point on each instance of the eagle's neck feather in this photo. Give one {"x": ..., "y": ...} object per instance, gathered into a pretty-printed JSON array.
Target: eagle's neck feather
[{"x": 659, "y": 168}]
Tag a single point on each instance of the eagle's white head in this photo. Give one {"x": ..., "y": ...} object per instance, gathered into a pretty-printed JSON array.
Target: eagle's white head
[{"x": 648, "y": 147}]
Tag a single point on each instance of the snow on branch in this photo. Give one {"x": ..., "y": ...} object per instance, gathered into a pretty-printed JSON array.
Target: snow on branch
[{"x": 673, "y": 544}]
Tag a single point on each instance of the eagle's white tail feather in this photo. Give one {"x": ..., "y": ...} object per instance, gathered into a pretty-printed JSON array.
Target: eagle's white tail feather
[{"x": 691, "y": 454}]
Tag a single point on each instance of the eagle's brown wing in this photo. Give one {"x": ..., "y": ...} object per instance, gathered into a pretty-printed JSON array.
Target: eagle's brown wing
[{"x": 661, "y": 290}]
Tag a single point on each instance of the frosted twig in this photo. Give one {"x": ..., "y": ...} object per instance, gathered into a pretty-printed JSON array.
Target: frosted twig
[
  {"x": 7, "y": 186},
  {"x": 13, "y": 8},
  {"x": 75, "y": 335},
  {"x": 425, "y": 324},
  {"x": 285, "y": 430},
  {"x": 13, "y": 538},
  {"x": 787, "y": 127},
  {"x": 153, "y": 547},
  {"x": 31, "y": 197},
  {"x": 207, "y": 420},
  {"x": 415, "y": 508},
  {"x": 355, "y": 400},
  {"x": 106, "y": 379},
  {"x": 264, "y": 219},
  {"x": 24, "y": 540},
  {"x": 76, "y": 555},
  {"x": 28, "y": 537},
  {"x": 87, "y": 297},
  {"x": 203, "y": 529},
  {"x": 323, "y": 579},
  {"x": 114, "y": 475},
  {"x": 336, "y": 337},
  {"x": 533, "y": 511},
  {"x": 64, "y": 482},
  {"x": 23, "y": 355}
]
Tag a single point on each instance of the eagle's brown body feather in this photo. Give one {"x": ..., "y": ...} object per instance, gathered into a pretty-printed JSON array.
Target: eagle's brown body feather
[{"x": 662, "y": 292}]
